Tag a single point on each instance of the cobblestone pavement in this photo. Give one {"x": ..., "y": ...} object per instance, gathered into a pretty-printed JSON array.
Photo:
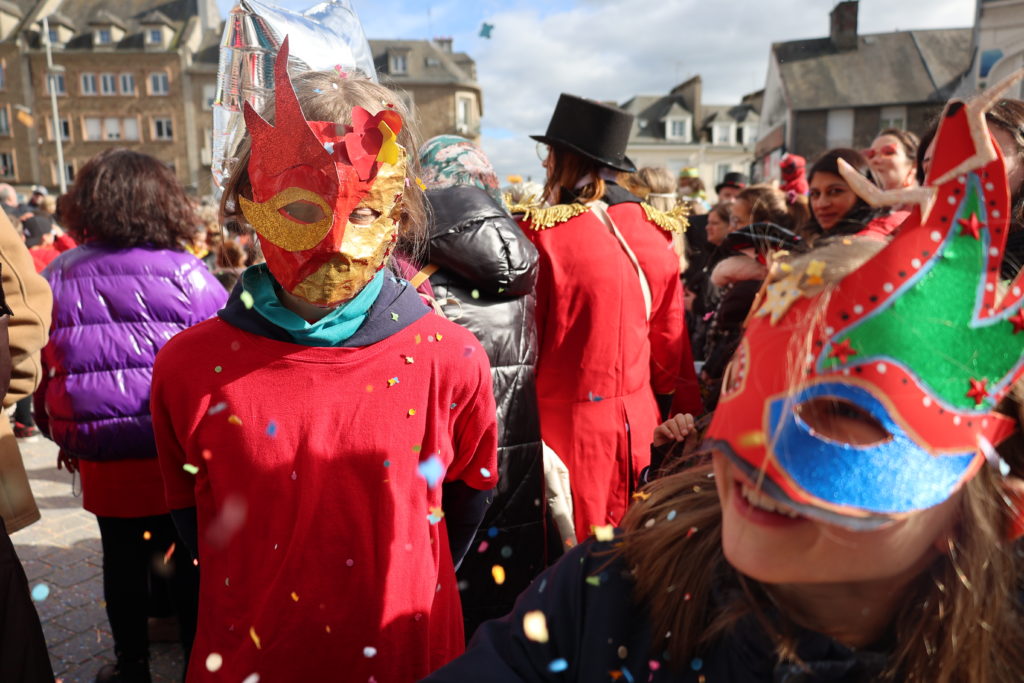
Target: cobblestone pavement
[{"x": 62, "y": 550}]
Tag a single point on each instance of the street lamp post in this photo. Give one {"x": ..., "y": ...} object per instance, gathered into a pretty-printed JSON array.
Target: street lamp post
[{"x": 51, "y": 78}]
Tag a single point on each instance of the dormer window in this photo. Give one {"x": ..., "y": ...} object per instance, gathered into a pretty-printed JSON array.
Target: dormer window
[
  {"x": 722, "y": 134},
  {"x": 155, "y": 35},
  {"x": 104, "y": 36},
  {"x": 399, "y": 64},
  {"x": 54, "y": 36},
  {"x": 677, "y": 129}
]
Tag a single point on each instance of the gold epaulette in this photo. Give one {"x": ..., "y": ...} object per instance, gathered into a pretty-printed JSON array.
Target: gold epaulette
[
  {"x": 544, "y": 217},
  {"x": 676, "y": 220}
]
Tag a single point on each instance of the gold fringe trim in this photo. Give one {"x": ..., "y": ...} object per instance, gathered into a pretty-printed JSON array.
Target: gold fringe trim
[
  {"x": 542, "y": 218},
  {"x": 677, "y": 220}
]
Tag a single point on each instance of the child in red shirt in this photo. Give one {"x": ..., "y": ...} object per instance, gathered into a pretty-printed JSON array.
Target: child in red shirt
[{"x": 336, "y": 450}]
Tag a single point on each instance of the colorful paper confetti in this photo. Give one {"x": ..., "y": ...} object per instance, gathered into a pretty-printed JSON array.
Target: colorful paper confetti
[
  {"x": 394, "y": 316},
  {"x": 412, "y": 411},
  {"x": 393, "y": 381},
  {"x": 214, "y": 662},
  {"x": 247, "y": 300},
  {"x": 295, "y": 596},
  {"x": 604, "y": 533},
  {"x": 498, "y": 573},
  {"x": 485, "y": 473},
  {"x": 146, "y": 535},
  {"x": 557, "y": 666},
  {"x": 218, "y": 369},
  {"x": 207, "y": 454},
  {"x": 235, "y": 420},
  {"x": 272, "y": 428},
  {"x": 255, "y": 638},
  {"x": 190, "y": 468},
  {"x": 535, "y": 626},
  {"x": 436, "y": 515},
  {"x": 218, "y": 408},
  {"x": 40, "y": 592},
  {"x": 431, "y": 469},
  {"x": 410, "y": 360},
  {"x": 369, "y": 652}
]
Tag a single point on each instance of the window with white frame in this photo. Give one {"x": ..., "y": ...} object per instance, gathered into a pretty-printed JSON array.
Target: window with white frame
[
  {"x": 104, "y": 36},
  {"x": 678, "y": 129},
  {"x": 721, "y": 134},
  {"x": 3, "y": 76},
  {"x": 130, "y": 128},
  {"x": 59, "y": 84},
  {"x": 111, "y": 128},
  {"x": 5, "y": 120},
  {"x": 209, "y": 95},
  {"x": 463, "y": 113},
  {"x": 892, "y": 117},
  {"x": 127, "y": 84},
  {"x": 839, "y": 128},
  {"x": 69, "y": 173},
  {"x": 6, "y": 165},
  {"x": 746, "y": 134},
  {"x": 159, "y": 83},
  {"x": 88, "y": 83},
  {"x": 399, "y": 64},
  {"x": 92, "y": 128},
  {"x": 108, "y": 84},
  {"x": 54, "y": 36},
  {"x": 720, "y": 170},
  {"x": 155, "y": 35},
  {"x": 163, "y": 129}
]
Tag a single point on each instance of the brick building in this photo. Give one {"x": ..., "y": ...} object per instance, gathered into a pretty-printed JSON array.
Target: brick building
[
  {"x": 437, "y": 83},
  {"x": 132, "y": 73}
]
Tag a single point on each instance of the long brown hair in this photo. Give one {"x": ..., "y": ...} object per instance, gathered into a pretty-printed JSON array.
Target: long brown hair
[
  {"x": 960, "y": 619},
  {"x": 770, "y": 205},
  {"x": 327, "y": 96},
  {"x": 567, "y": 168}
]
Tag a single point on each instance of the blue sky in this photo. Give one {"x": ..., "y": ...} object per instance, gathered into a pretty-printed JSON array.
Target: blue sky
[{"x": 614, "y": 49}]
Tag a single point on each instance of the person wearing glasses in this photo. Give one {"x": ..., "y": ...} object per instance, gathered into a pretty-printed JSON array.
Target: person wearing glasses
[
  {"x": 609, "y": 310},
  {"x": 836, "y": 210},
  {"x": 892, "y": 158}
]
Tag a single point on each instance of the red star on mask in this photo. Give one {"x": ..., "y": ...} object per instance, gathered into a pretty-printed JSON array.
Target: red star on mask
[
  {"x": 971, "y": 226},
  {"x": 842, "y": 351},
  {"x": 978, "y": 391},
  {"x": 1017, "y": 320}
]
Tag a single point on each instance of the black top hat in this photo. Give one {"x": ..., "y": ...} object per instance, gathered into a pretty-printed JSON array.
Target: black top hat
[
  {"x": 595, "y": 130},
  {"x": 732, "y": 179}
]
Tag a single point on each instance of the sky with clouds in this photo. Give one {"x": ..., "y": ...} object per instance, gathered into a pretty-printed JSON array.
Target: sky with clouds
[{"x": 614, "y": 49}]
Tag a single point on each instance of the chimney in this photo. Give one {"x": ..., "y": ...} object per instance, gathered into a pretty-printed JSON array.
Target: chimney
[
  {"x": 446, "y": 43},
  {"x": 844, "y": 25}
]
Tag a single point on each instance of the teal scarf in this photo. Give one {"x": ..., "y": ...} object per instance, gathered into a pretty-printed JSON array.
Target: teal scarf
[{"x": 331, "y": 330}]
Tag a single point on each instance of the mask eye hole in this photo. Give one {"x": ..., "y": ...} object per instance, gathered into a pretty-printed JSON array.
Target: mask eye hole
[
  {"x": 302, "y": 211},
  {"x": 839, "y": 420},
  {"x": 363, "y": 215}
]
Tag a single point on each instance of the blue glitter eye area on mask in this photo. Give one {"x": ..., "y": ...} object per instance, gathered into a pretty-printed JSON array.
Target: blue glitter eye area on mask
[{"x": 891, "y": 476}]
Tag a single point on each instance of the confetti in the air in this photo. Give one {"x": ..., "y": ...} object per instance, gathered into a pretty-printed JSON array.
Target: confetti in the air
[
  {"x": 207, "y": 454},
  {"x": 486, "y": 473},
  {"x": 475, "y": 294},
  {"x": 431, "y": 469},
  {"x": 604, "y": 533},
  {"x": 436, "y": 515},
  {"x": 255, "y": 638},
  {"x": 295, "y": 596},
  {"x": 535, "y": 626},
  {"x": 410, "y": 360},
  {"x": 272, "y": 428},
  {"x": 369, "y": 651},
  {"x": 146, "y": 535},
  {"x": 220, "y": 407},
  {"x": 214, "y": 662},
  {"x": 394, "y": 316},
  {"x": 247, "y": 300},
  {"x": 412, "y": 411},
  {"x": 40, "y": 592},
  {"x": 697, "y": 664},
  {"x": 393, "y": 381},
  {"x": 218, "y": 369},
  {"x": 190, "y": 468},
  {"x": 235, "y": 420},
  {"x": 558, "y": 665},
  {"x": 498, "y": 573}
]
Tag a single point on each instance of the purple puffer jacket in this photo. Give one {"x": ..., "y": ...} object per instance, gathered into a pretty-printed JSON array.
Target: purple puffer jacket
[{"x": 113, "y": 309}]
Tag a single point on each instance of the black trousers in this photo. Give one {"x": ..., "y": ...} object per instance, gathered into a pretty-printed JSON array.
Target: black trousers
[
  {"x": 135, "y": 553},
  {"x": 23, "y": 412}
]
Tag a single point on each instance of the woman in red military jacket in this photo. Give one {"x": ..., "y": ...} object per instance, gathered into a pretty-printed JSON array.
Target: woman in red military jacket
[{"x": 608, "y": 302}]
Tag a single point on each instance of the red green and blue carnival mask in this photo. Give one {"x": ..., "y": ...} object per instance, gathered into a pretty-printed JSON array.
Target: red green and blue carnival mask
[
  {"x": 921, "y": 338},
  {"x": 307, "y": 178}
]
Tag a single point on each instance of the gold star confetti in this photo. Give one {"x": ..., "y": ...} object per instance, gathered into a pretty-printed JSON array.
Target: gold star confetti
[
  {"x": 412, "y": 411},
  {"x": 779, "y": 297},
  {"x": 409, "y": 360},
  {"x": 420, "y": 184}
]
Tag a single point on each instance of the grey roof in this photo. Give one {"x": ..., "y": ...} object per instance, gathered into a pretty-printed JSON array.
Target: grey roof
[
  {"x": 156, "y": 17},
  {"x": 886, "y": 68},
  {"x": 733, "y": 113},
  {"x": 426, "y": 62},
  {"x": 104, "y": 17},
  {"x": 649, "y": 112}
]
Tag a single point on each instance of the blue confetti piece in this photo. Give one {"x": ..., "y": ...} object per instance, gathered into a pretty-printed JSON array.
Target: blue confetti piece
[
  {"x": 492, "y": 532},
  {"x": 486, "y": 473},
  {"x": 272, "y": 428},
  {"x": 594, "y": 397},
  {"x": 626, "y": 675},
  {"x": 431, "y": 469},
  {"x": 40, "y": 592},
  {"x": 697, "y": 664},
  {"x": 558, "y": 665},
  {"x": 433, "y": 519},
  {"x": 329, "y": 146},
  {"x": 387, "y": 463},
  {"x": 671, "y": 515},
  {"x": 454, "y": 406}
]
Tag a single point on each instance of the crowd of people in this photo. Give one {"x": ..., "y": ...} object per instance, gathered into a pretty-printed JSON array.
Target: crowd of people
[{"x": 371, "y": 407}]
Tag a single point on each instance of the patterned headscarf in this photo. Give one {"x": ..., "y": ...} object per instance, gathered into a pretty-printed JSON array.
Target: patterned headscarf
[{"x": 450, "y": 160}]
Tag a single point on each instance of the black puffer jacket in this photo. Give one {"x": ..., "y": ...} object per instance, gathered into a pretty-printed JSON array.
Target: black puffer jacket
[{"x": 487, "y": 271}]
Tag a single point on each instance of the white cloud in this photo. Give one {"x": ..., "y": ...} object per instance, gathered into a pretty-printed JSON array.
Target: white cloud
[{"x": 612, "y": 50}]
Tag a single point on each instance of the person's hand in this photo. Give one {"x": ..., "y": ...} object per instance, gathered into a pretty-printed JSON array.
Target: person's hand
[
  {"x": 66, "y": 461},
  {"x": 675, "y": 428}
]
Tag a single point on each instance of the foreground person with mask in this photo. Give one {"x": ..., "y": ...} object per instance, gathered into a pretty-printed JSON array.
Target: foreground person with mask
[
  {"x": 339, "y": 437},
  {"x": 854, "y": 516}
]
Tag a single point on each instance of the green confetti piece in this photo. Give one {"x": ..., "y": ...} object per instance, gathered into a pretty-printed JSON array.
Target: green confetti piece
[
  {"x": 218, "y": 369},
  {"x": 394, "y": 316},
  {"x": 594, "y": 580},
  {"x": 246, "y": 298},
  {"x": 190, "y": 468}
]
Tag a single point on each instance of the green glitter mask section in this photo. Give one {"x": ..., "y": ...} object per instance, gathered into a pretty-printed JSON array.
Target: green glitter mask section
[{"x": 931, "y": 329}]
